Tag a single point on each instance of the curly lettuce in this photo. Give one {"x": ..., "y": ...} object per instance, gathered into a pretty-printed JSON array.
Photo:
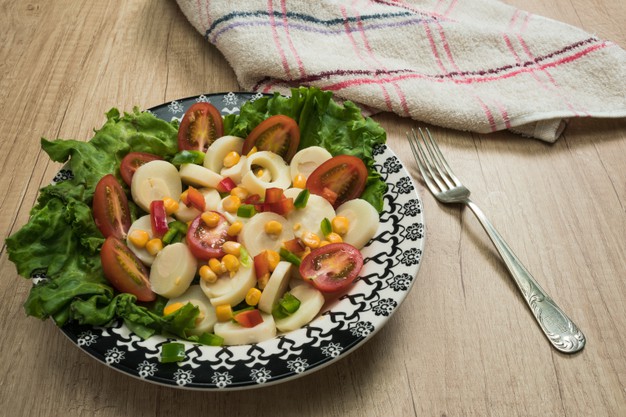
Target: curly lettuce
[{"x": 62, "y": 241}]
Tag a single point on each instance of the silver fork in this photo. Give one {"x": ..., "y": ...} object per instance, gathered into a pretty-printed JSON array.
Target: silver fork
[{"x": 446, "y": 187}]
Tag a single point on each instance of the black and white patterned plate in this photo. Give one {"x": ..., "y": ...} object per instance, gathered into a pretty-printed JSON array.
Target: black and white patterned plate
[{"x": 392, "y": 260}]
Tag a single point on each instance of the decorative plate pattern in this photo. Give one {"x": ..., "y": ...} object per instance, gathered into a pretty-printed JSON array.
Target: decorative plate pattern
[{"x": 392, "y": 260}]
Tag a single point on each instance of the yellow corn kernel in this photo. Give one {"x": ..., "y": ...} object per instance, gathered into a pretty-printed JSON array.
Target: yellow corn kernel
[
  {"x": 231, "y": 203},
  {"x": 296, "y": 227},
  {"x": 183, "y": 195},
  {"x": 259, "y": 173},
  {"x": 240, "y": 192},
  {"x": 207, "y": 274},
  {"x": 261, "y": 281},
  {"x": 231, "y": 159},
  {"x": 139, "y": 238},
  {"x": 252, "y": 151},
  {"x": 253, "y": 296},
  {"x": 273, "y": 259},
  {"x": 334, "y": 238},
  {"x": 224, "y": 312},
  {"x": 324, "y": 243},
  {"x": 340, "y": 225},
  {"x": 311, "y": 240},
  {"x": 231, "y": 263},
  {"x": 299, "y": 181},
  {"x": 171, "y": 205},
  {"x": 273, "y": 227},
  {"x": 232, "y": 248},
  {"x": 234, "y": 229},
  {"x": 154, "y": 246},
  {"x": 211, "y": 218},
  {"x": 216, "y": 266},
  {"x": 172, "y": 308}
]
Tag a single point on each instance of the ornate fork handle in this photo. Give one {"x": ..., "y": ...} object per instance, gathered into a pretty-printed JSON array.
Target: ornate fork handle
[{"x": 559, "y": 329}]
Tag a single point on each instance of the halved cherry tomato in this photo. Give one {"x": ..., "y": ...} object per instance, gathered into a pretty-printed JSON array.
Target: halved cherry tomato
[
  {"x": 201, "y": 125},
  {"x": 132, "y": 161},
  {"x": 332, "y": 267},
  {"x": 110, "y": 208},
  {"x": 279, "y": 134},
  {"x": 330, "y": 195},
  {"x": 248, "y": 318},
  {"x": 206, "y": 242},
  {"x": 124, "y": 270},
  {"x": 340, "y": 179}
]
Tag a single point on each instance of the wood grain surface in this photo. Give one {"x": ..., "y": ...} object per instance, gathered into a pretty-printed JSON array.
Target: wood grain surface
[{"x": 462, "y": 344}]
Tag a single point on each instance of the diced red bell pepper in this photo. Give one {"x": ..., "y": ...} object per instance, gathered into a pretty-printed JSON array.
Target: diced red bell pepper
[
  {"x": 225, "y": 185},
  {"x": 249, "y": 318},
  {"x": 194, "y": 198},
  {"x": 282, "y": 207},
  {"x": 262, "y": 265},
  {"x": 158, "y": 218},
  {"x": 273, "y": 195},
  {"x": 252, "y": 199},
  {"x": 294, "y": 245}
]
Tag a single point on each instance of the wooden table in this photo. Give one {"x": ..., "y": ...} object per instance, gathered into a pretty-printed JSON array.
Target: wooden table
[{"x": 463, "y": 343}]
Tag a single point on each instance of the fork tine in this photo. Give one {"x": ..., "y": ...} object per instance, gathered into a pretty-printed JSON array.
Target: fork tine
[
  {"x": 427, "y": 174},
  {"x": 431, "y": 147},
  {"x": 441, "y": 160}
]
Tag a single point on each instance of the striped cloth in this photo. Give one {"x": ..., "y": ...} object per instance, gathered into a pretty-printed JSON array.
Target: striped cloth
[{"x": 477, "y": 65}]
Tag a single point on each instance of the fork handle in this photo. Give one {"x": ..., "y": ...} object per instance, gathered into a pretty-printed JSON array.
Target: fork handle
[{"x": 559, "y": 329}]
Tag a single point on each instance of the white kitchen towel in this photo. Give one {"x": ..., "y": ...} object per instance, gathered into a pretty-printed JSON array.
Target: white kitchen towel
[{"x": 477, "y": 65}]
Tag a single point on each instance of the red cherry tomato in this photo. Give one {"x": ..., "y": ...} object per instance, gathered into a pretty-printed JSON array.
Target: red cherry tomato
[
  {"x": 124, "y": 270},
  {"x": 132, "y": 161},
  {"x": 332, "y": 267},
  {"x": 206, "y": 242},
  {"x": 279, "y": 134},
  {"x": 110, "y": 208},
  {"x": 248, "y": 318},
  {"x": 340, "y": 179},
  {"x": 201, "y": 125}
]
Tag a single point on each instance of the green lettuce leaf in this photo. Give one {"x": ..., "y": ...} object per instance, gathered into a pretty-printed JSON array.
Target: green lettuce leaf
[{"x": 61, "y": 238}]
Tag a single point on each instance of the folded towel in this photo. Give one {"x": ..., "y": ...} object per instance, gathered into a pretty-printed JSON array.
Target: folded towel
[{"x": 480, "y": 66}]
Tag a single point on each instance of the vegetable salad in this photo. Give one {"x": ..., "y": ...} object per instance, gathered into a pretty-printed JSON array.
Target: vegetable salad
[{"x": 217, "y": 230}]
